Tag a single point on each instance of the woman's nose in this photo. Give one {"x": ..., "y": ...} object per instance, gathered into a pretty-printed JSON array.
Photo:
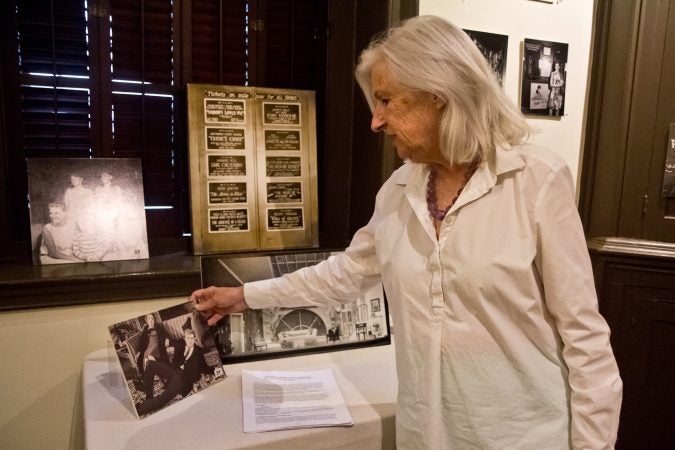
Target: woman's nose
[{"x": 377, "y": 123}]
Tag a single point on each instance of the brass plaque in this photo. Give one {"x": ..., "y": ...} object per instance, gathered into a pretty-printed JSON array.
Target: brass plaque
[{"x": 252, "y": 155}]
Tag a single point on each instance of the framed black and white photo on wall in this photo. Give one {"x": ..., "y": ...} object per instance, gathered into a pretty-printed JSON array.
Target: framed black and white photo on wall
[
  {"x": 544, "y": 78},
  {"x": 493, "y": 47}
]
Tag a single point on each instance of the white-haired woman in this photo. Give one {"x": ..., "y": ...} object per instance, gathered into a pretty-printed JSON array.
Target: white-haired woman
[{"x": 499, "y": 343}]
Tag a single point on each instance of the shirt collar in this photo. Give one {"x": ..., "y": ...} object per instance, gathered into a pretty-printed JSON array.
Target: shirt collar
[
  {"x": 414, "y": 179},
  {"x": 507, "y": 160}
]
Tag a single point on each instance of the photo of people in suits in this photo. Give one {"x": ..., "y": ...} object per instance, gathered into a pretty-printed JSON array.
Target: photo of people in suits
[{"x": 166, "y": 356}]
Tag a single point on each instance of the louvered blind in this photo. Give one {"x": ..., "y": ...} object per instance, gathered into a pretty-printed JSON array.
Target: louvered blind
[
  {"x": 52, "y": 37},
  {"x": 289, "y": 31},
  {"x": 54, "y": 109},
  {"x": 142, "y": 100},
  {"x": 219, "y": 42}
]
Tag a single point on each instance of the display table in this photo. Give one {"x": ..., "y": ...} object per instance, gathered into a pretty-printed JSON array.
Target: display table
[{"x": 212, "y": 418}]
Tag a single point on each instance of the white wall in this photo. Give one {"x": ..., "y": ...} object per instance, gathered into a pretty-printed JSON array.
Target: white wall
[
  {"x": 42, "y": 352},
  {"x": 568, "y": 21}
]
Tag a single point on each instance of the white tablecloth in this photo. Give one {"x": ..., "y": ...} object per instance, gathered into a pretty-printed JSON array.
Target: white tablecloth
[{"x": 212, "y": 418}]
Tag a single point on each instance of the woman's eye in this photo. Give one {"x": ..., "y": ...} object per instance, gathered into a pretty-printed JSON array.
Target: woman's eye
[{"x": 385, "y": 101}]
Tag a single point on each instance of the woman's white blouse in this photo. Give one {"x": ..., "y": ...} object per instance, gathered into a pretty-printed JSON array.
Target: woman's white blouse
[{"x": 499, "y": 343}]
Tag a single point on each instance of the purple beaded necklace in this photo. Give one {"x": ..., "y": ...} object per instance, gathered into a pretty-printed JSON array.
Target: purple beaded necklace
[{"x": 439, "y": 214}]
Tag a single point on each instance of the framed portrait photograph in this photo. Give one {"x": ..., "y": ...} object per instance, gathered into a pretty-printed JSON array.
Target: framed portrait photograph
[
  {"x": 494, "y": 48},
  {"x": 85, "y": 210},
  {"x": 544, "y": 81},
  {"x": 166, "y": 356},
  {"x": 285, "y": 331}
]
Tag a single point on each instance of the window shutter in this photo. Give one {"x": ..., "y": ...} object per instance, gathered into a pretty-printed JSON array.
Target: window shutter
[
  {"x": 143, "y": 102},
  {"x": 55, "y": 122},
  {"x": 218, "y": 42},
  {"x": 52, "y": 37},
  {"x": 287, "y": 36},
  {"x": 54, "y": 109}
]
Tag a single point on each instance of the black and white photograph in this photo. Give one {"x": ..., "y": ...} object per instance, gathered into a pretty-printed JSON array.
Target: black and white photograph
[
  {"x": 84, "y": 210},
  {"x": 278, "y": 332},
  {"x": 166, "y": 356},
  {"x": 493, "y": 46},
  {"x": 544, "y": 69},
  {"x": 669, "y": 170}
]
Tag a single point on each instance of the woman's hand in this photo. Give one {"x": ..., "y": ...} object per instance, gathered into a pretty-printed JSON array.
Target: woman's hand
[{"x": 215, "y": 302}]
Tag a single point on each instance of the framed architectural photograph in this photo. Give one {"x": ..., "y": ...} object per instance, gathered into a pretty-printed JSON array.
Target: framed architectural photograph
[
  {"x": 84, "y": 210},
  {"x": 494, "y": 47},
  {"x": 279, "y": 332},
  {"x": 166, "y": 356},
  {"x": 544, "y": 78}
]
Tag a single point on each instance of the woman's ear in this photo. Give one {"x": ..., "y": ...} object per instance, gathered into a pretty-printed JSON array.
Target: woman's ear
[{"x": 438, "y": 102}]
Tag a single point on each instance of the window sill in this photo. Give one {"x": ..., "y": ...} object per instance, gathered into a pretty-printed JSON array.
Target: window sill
[{"x": 23, "y": 285}]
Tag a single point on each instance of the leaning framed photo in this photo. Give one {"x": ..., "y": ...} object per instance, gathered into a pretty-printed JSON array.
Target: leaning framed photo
[
  {"x": 166, "y": 356},
  {"x": 86, "y": 210},
  {"x": 280, "y": 332}
]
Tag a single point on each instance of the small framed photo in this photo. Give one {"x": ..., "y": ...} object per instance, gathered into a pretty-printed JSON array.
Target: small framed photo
[
  {"x": 544, "y": 79},
  {"x": 285, "y": 331},
  {"x": 494, "y": 48},
  {"x": 166, "y": 356}
]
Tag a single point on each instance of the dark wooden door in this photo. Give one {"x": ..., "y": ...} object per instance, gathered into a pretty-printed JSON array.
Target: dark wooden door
[{"x": 639, "y": 304}]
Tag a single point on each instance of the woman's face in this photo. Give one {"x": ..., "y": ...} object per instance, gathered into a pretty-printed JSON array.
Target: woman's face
[
  {"x": 150, "y": 320},
  {"x": 410, "y": 118},
  {"x": 76, "y": 180}
]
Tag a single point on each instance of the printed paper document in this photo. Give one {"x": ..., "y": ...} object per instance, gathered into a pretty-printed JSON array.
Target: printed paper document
[{"x": 279, "y": 400}]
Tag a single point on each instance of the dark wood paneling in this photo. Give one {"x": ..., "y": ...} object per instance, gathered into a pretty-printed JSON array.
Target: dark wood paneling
[
  {"x": 660, "y": 217},
  {"x": 647, "y": 81},
  {"x": 630, "y": 107},
  {"x": 637, "y": 297}
]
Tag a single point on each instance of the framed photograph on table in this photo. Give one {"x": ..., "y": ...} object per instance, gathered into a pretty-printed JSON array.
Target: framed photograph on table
[
  {"x": 165, "y": 356},
  {"x": 285, "y": 331}
]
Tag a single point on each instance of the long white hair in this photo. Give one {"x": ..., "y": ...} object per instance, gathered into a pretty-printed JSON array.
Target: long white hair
[{"x": 430, "y": 54}]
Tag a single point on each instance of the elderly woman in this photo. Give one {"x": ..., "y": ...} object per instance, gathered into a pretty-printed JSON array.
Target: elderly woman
[{"x": 499, "y": 343}]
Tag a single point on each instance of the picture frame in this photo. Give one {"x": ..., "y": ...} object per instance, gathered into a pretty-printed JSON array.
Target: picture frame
[
  {"x": 544, "y": 69},
  {"x": 165, "y": 356},
  {"x": 494, "y": 48},
  {"x": 86, "y": 210},
  {"x": 287, "y": 331},
  {"x": 252, "y": 166}
]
